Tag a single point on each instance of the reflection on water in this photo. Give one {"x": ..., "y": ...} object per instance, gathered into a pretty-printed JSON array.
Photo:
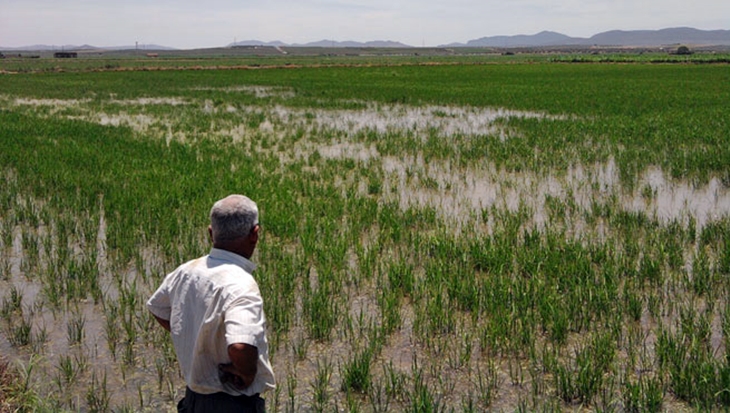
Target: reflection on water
[
  {"x": 677, "y": 201},
  {"x": 461, "y": 193},
  {"x": 442, "y": 120}
]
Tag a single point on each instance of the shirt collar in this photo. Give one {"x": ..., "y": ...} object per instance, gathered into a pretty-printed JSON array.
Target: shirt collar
[{"x": 239, "y": 260}]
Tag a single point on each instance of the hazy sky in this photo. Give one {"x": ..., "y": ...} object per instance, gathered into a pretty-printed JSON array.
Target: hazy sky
[{"x": 211, "y": 23}]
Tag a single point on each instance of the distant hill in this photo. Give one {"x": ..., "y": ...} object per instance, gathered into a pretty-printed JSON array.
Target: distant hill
[
  {"x": 85, "y": 47},
  {"x": 323, "y": 43},
  {"x": 680, "y": 35},
  {"x": 540, "y": 39},
  {"x": 257, "y": 43}
]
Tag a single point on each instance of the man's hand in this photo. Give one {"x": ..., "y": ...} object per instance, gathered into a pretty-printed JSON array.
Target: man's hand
[
  {"x": 229, "y": 374},
  {"x": 164, "y": 323},
  {"x": 242, "y": 369}
]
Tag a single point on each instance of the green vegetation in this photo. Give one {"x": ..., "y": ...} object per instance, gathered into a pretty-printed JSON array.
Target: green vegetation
[{"x": 436, "y": 237}]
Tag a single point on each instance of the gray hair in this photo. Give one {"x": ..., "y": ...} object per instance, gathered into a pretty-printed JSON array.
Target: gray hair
[{"x": 233, "y": 217}]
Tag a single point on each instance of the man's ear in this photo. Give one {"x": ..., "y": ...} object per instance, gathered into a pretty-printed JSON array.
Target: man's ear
[
  {"x": 210, "y": 233},
  {"x": 255, "y": 233}
]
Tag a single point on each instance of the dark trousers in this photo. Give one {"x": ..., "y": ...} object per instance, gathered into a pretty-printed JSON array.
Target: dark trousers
[{"x": 220, "y": 403}]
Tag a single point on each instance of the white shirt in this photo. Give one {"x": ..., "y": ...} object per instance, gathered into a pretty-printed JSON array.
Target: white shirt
[{"x": 213, "y": 302}]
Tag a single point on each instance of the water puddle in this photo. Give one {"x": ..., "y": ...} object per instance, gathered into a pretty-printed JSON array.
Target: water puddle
[
  {"x": 346, "y": 150},
  {"x": 465, "y": 192},
  {"x": 670, "y": 201},
  {"x": 56, "y": 103},
  {"x": 259, "y": 92},
  {"x": 462, "y": 192},
  {"x": 442, "y": 120},
  {"x": 171, "y": 101},
  {"x": 138, "y": 122}
]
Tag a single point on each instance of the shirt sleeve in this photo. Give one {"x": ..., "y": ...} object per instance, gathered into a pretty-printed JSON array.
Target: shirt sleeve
[
  {"x": 159, "y": 302},
  {"x": 245, "y": 321}
]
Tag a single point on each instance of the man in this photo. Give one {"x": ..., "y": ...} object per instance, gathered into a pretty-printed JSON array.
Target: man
[{"x": 213, "y": 309}]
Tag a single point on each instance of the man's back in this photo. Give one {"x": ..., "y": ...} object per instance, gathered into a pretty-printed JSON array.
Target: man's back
[{"x": 211, "y": 303}]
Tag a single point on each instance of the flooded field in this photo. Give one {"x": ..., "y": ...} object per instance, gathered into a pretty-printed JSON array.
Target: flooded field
[{"x": 417, "y": 256}]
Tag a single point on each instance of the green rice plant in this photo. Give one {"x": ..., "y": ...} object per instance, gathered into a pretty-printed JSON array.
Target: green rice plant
[
  {"x": 378, "y": 397},
  {"x": 723, "y": 385},
  {"x": 20, "y": 390},
  {"x": 725, "y": 325},
  {"x": 723, "y": 260},
  {"x": 300, "y": 346},
  {"x": 556, "y": 209},
  {"x": 278, "y": 279},
  {"x": 321, "y": 309},
  {"x": 516, "y": 371},
  {"x": 128, "y": 408},
  {"x": 422, "y": 398},
  {"x": 355, "y": 372},
  {"x": 694, "y": 325},
  {"x": 29, "y": 243},
  {"x": 321, "y": 394},
  {"x": 688, "y": 361},
  {"x": 592, "y": 363},
  {"x": 434, "y": 316},
  {"x": 92, "y": 276},
  {"x": 703, "y": 277},
  {"x": 128, "y": 302},
  {"x": 633, "y": 303},
  {"x": 12, "y": 305},
  {"x": 97, "y": 394},
  {"x": 487, "y": 384},
  {"x": 51, "y": 291},
  {"x": 650, "y": 271},
  {"x": 6, "y": 230},
  {"x": 291, "y": 387},
  {"x": 581, "y": 379},
  {"x": 111, "y": 328},
  {"x": 564, "y": 384},
  {"x": 401, "y": 278},
  {"x": 395, "y": 383},
  {"x": 366, "y": 259},
  {"x": 40, "y": 338},
  {"x": 20, "y": 331},
  {"x": 655, "y": 304},
  {"x": 128, "y": 353},
  {"x": 68, "y": 370},
  {"x": 644, "y": 395},
  {"x": 465, "y": 350},
  {"x": 4, "y": 266},
  {"x": 161, "y": 369},
  {"x": 389, "y": 301},
  {"x": 554, "y": 314},
  {"x": 75, "y": 329}
]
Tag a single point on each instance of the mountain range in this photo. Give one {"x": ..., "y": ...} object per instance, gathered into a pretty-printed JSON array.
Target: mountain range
[
  {"x": 664, "y": 37},
  {"x": 84, "y": 47},
  {"x": 656, "y": 38},
  {"x": 617, "y": 38},
  {"x": 322, "y": 43}
]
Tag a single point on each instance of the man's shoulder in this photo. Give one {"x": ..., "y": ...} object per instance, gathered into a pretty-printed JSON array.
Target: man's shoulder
[
  {"x": 195, "y": 262},
  {"x": 237, "y": 283},
  {"x": 235, "y": 277}
]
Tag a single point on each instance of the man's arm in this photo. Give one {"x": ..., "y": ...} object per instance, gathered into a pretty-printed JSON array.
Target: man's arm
[
  {"x": 242, "y": 369},
  {"x": 164, "y": 323}
]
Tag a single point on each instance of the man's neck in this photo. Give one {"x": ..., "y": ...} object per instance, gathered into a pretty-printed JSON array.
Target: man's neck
[{"x": 236, "y": 247}]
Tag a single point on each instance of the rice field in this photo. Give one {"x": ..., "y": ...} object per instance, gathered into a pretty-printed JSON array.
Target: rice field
[{"x": 459, "y": 237}]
